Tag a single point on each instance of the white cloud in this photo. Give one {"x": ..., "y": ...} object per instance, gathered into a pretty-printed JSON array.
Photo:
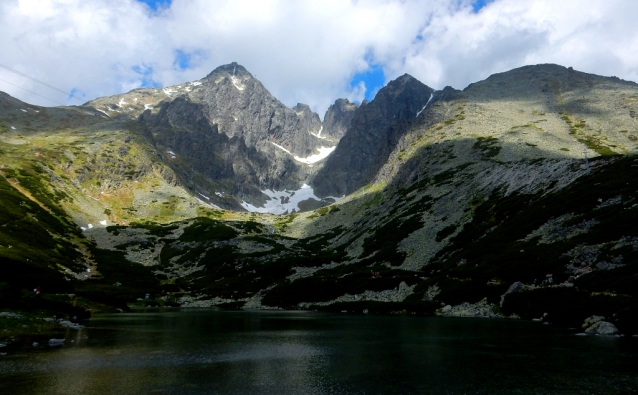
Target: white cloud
[{"x": 306, "y": 51}]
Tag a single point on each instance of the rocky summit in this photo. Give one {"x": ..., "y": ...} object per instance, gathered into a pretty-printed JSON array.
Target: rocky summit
[{"x": 514, "y": 197}]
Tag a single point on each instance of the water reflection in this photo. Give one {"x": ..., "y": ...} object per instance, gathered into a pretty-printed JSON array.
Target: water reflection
[{"x": 206, "y": 351}]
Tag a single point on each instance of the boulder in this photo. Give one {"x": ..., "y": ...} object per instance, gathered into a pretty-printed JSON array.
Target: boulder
[
  {"x": 69, "y": 324},
  {"x": 516, "y": 287},
  {"x": 602, "y": 328},
  {"x": 592, "y": 320},
  {"x": 603, "y": 265}
]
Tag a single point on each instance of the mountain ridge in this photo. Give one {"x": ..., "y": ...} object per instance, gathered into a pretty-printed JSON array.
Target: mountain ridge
[{"x": 461, "y": 196}]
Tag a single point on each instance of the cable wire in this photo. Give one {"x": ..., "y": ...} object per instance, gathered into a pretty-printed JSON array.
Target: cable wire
[
  {"x": 32, "y": 92},
  {"x": 39, "y": 82}
]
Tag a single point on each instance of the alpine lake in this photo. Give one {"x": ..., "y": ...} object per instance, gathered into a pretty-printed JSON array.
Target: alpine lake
[{"x": 208, "y": 351}]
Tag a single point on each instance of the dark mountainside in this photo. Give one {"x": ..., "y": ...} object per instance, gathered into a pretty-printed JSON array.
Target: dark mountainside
[
  {"x": 373, "y": 133},
  {"x": 514, "y": 197}
]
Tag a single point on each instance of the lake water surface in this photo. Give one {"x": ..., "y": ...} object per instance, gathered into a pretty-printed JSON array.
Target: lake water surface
[{"x": 275, "y": 352}]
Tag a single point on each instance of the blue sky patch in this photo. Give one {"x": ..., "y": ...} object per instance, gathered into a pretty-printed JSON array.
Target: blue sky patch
[
  {"x": 182, "y": 59},
  {"x": 156, "y": 4},
  {"x": 76, "y": 94},
  {"x": 478, "y": 4},
  {"x": 146, "y": 76},
  {"x": 374, "y": 79},
  {"x": 187, "y": 60}
]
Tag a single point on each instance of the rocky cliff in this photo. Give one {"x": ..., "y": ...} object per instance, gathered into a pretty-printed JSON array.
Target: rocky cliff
[
  {"x": 231, "y": 132},
  {"x": 373, "y": 133}
]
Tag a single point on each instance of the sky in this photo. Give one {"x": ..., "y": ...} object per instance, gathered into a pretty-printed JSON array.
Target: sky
[{"x": 303, "y": 51}]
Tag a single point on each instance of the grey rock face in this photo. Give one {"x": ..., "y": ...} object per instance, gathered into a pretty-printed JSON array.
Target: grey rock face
[
  {"x": 375, "y": 130},
  {"x": 338, "y": 118},
  {"x": 231, "y": 130}
]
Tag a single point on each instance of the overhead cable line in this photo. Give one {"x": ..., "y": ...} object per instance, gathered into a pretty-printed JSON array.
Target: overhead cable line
[
  {"x": 32, "y": 92},
  {"x": 39, "y": 82}
]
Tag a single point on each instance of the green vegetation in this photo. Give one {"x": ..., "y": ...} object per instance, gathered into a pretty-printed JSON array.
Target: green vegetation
[{"x": 487, "y": 146}]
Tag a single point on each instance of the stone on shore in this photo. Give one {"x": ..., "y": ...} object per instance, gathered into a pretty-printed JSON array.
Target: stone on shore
[
  {"x": 592, "y": 320},
  {"x": 602, "y": 328}
]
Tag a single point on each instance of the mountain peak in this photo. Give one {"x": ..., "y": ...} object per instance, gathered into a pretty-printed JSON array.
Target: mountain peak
[{"x": 234, "y": 69}]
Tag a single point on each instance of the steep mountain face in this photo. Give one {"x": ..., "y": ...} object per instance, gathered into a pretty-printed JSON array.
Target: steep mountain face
[
  {"x": 232, "y": 132},
  {"x": 337, "y": 119},
  {"x": 372, "y": 135},
  {"x": 463, "y": 202}
]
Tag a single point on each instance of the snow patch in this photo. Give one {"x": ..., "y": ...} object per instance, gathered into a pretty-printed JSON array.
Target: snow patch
[
  {"x": 204, "y": 196},
  {"x": 103, "y": 112},
  {"x": 103, "y": 223},
  {"x": 110, "y": 109},
  {"x": 236, "y": 81},
  {"x": 196, "y": 83},
  {"x": 13, "y": 127},
  {"x": 281, "y": 148},
  {"x": 208, "y": 203},
  {"x": 426, "y": 104},
  {"x": 89, "y": 226},
  {"x": 318, "y": 135},
  {"x": 323, "y": 153},
  {"x": 281, "y": 202},
  {"x": 121, "y": 103},
  {"x": 171, "y": 153},
  {"x": 169, "y": 91},
  {"x": 22, "y": 109},
  {"x": 148, "y": 106},
  {"x": 219, "y": 194}
]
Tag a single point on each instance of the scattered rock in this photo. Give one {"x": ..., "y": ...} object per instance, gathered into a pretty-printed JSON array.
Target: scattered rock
[
  {"x": 603, "y": 265},
  {"x": 69, "y": 324},
  {"x": 602, "y": 328},
  {"x": 7, "y": 314},
  {"x": 481, "y": 309},
  {"x": 432, "y": 292}
]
